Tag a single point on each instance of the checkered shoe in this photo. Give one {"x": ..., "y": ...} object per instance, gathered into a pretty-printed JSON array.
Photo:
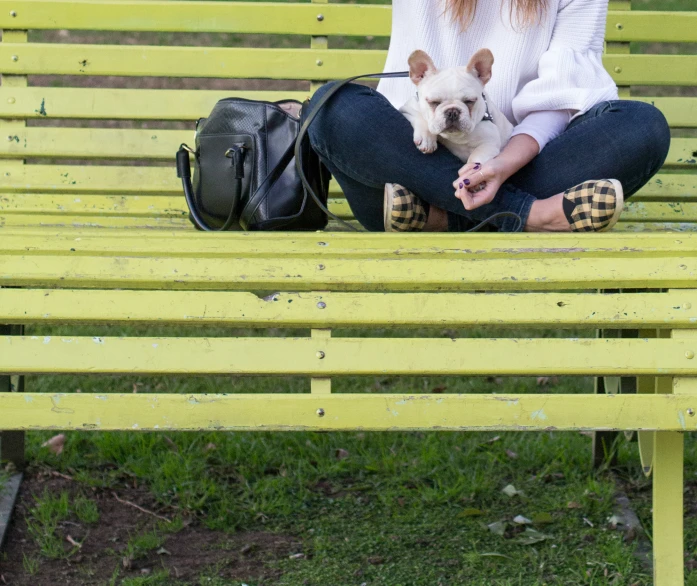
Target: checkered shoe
[
  {"x": 594, "y": 206},
  {"x": 404, "y": 212}
]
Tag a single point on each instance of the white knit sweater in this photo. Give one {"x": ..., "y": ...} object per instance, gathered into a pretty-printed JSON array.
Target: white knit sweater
[{"x": 543, "y": 75}]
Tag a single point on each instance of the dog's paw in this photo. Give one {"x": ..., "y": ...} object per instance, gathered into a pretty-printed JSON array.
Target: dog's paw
[{"x": 426, "y": 143}]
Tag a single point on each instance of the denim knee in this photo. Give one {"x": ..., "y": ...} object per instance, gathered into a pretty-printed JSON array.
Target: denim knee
[
  {"x": 338, "y": 112},
  {"x": 650, "y": 135}
]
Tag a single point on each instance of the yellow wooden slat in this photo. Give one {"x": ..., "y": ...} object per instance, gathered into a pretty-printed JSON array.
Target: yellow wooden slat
[
  {"x": 310, "y": 245},
  {"x": 652, "y": 26},
  {"x": 282, "y": 412},
  {"x": 76, "y": 179},
  {"x": 38, "y": 58},
  {"x": 131, "y": 60},
  {"x": 646, "y": 227},
  {"x": 652, "y": 69},
  {"x": 143, "y": 104},
  {"x": 81, "y": 221},
  {"x": 105, "y": 143},
  {"x": 680, "y": 112},
  {"x": 668, "y": 187},
  {"x": 677, "y": 309},
  {"x": 148, "y": 180},
  {"x": 128, "y": 104},
  {"x": 101, "y": 209},
  {"x": 92, "y": 204},
  {"x": 563, "y": 271},
  {"x": 158, "y": 144},
  {"x": 337, "y": 356},
  {"x": 659, "y": 212},
  {"x": 216, "y": 17},
  {"x": 284, "y": 18}
]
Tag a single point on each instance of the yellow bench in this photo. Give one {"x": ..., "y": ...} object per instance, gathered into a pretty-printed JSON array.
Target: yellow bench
[{"x": 94, "y": 231}]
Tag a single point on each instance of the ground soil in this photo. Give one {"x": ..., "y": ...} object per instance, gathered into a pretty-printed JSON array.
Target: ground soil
[{"x": 189, "y": 553}]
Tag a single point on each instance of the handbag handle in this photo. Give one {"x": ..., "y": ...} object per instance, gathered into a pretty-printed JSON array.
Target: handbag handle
[{"x": 184, "y": 173}]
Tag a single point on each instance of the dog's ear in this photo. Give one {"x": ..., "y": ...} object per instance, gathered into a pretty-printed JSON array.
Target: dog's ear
[
  {"x": 420, "y": 66},
  {"x": 480, "y": 65}
]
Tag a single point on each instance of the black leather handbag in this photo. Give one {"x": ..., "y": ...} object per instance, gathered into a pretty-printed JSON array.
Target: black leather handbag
[{"x": 243, "y": 176}]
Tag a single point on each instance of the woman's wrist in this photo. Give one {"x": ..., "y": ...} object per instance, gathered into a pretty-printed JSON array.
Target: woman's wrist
[{"x": 520, "y": 150}]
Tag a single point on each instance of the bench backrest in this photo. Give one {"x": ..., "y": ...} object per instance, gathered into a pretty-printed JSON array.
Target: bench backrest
[{"x": 97, "y": 95}]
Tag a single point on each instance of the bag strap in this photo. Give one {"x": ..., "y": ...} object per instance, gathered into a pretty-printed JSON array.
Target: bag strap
[{"x": 306, "y": 125}]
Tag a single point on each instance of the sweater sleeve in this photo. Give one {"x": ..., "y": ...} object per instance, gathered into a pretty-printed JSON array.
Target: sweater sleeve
[
  {"x": 571, "y": 75},
  {"x": 544, "y": 126}
]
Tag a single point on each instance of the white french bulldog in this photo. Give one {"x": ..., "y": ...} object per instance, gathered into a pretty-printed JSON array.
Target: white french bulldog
[{"x": 451, "y": 107}]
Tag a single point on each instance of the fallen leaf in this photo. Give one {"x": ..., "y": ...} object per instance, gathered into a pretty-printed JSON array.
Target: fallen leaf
[
  {"x": 542, "y": 519},
  {"x": 493, "y": 440},
  {"x": 511, "y": 454},
  {"x": 615, "y": 520},
  {"x": 531, "y": 536},
  {"x": 55, "y": 444},
  {"x": 573, "y": 505},
  {"x": 499, "y": 528},
  {"x": 470, "y": 513},
  {"x": 520, "y": 520},
  {"x": 127, "y": 562},
  {"x": 210, "y": 447},
  {"x": 341, "y": 454},
  {"x": 297, "y": 556},
  {"x": 376, "y": 560},
  {"x": 163, "y": 551},
  {"x": 438, "y": 389},
  {"x": 511, "y": 491},
  {"x": 542, "y": 381}
]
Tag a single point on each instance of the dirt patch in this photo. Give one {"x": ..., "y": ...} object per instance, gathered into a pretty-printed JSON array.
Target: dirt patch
[{"x": 190, "y": 552}]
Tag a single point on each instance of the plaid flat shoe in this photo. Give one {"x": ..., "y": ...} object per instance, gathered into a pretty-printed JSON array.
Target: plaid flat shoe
[
  {"x": 594, "y": 206},
  {"x": 404, "y": 212}
]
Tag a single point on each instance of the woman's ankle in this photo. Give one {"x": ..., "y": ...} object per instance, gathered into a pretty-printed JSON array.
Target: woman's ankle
[
  {"x": 547, "y": 215},
  {"x": 437, "y": 220}
]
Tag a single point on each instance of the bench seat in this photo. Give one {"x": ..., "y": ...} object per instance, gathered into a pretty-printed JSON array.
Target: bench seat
[{"x": 96, "y": 97}]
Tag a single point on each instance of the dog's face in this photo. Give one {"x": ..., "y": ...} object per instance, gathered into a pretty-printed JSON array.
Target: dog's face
[{"x": 451, "y": 100}]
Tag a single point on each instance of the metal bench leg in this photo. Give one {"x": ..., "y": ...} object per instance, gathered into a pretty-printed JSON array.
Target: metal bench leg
[
  {"x": 12, "y": 442},
  {"x": 668, "y": 563}
]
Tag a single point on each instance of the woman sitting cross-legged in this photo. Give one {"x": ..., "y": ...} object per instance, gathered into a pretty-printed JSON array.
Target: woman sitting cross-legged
[{"x": 576, "y": 151}]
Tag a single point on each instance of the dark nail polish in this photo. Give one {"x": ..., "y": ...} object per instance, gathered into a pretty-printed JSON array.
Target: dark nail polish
[
  {"x": 461, "y": 185},
  {"x": 477, "y": 165},
  {"x": 467, "y": 181}
]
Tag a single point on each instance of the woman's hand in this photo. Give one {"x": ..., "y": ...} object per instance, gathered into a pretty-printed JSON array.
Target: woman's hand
[{"x": 477, "y": 183}]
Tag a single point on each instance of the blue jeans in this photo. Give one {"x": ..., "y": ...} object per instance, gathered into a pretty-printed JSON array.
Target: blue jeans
[{"x": 365, "y": 142}]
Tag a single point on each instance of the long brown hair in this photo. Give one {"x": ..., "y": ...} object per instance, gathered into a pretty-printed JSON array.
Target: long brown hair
[{"x": 526, "y": 12}]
